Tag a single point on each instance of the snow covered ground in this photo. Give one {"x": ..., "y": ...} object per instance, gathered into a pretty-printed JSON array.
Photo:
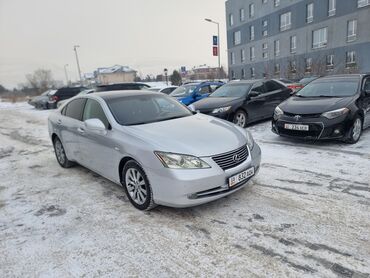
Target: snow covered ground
[{"x": 306, "y": 214}]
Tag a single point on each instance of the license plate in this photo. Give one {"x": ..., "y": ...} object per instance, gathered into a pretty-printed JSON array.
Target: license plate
[
  {"x": 297, "y": 127},
  {"x": 238, "y": 178}
]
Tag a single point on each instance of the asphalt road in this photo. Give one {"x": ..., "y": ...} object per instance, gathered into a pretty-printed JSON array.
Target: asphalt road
[{"x": 306, "y": 214}]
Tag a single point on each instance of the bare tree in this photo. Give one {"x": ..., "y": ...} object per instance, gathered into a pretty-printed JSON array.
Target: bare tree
[{"x": 40, "y": 80}]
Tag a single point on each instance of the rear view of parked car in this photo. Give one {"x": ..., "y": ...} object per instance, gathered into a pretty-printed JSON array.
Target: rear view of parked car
[
  {"x": 122, "y": 87},
  {"x": 84, "y": 92},
  {"x": 244, "y": 102},
  {"x": 192, "y": 92},
  {"x": 41, "y": 102},
  {"x": 63, "y": 94},
  {"x": 334, "y": 107},
  {"x": 138, "y": 140}
]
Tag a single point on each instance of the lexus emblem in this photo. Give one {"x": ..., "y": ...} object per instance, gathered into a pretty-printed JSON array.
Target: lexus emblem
[
  {"x": 236, "y": 158},
  {"x": 297, "y": 118}
]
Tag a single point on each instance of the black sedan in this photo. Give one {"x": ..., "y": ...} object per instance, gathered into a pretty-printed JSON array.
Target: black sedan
[
  {"x": 335, "y": 107},
  {"x": 244, "y": 102}
]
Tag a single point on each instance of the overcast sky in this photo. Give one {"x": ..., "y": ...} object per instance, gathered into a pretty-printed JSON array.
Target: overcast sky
[{"x": 147, "y": 35}]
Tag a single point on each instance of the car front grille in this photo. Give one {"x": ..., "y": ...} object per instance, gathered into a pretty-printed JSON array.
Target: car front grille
[{"x": 231, "y": 159}]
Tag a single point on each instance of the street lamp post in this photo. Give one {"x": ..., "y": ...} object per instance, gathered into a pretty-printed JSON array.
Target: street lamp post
[
  {"x": 78, "y": 63},
  {"x": 166, "y": 75},
  {"x": 219, "y": 44},
  {"x": 66, "y": 73}
]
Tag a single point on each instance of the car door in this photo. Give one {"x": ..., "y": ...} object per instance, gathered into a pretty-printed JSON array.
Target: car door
[
  {"x": 98, "y": 149},
  {"x": 366, "y": 102},
  {"x": 275, "y": 94},
  {"x": 202, "y": 92},
  {"x": 70, "y": 123},
  {"x": 255, "y": 102}
]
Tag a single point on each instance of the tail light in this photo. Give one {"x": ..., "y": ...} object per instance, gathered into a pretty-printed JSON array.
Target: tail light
[
  {"x": 295, "y": 86},
  {"x": 54, "y": 98}
]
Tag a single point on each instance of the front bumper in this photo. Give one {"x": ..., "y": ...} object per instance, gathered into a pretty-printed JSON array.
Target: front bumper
[
  {"x": 320, "y": 128},
  {"x": 228, "y": 116},
  {"x": 186, "y": 188}
]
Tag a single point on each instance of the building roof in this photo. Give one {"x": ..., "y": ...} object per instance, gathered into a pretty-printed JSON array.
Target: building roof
[{"x": 114, "y": 69}]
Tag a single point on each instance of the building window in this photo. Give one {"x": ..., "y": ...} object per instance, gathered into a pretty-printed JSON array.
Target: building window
[
  {"x": 265, "y": 55},
  {"x": 330, "y": 62},
  {"x": 332, "y": 7},
  {"x": 363, "y": 3},
  {"x": 276, "y": 3},
  {"x": 237, "y": 38},
  {"x": 320, "y": 38},
  {"x": 251, "y": 10},
  {"x": 232, "y": 58},
  {"x": 351, "y": 30},
  {"x": 243, "y": 74},
  {"x": 277, "y": 68},
  {"x": 242, "y": 55},
  {"x": 231, "y": 19},
  {"x": 264, "y": 23},
  {"x": 293, "y": 44},
  {"x": 251, "y": 32},
  {"x": 264, "y": 33},
  {"x": 264, "y": 46},
  {"x": 351, "y": 59},
  {"x": 292, "y": 66},
  {"x": 308, "y": 64},
  {"x": 309, "y": 13},
  {"x": 253, "y": 74},
  {"x": 277, "y": 48},
  {"x": 232, "y": 74},
  {"x": 285, "y": 21},
  {"x": 252, "y": 53},
  {"x": 242, "y": 14}
]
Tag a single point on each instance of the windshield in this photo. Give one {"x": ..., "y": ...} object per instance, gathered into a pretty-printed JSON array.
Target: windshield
[
  {"x": 183, "y": 91},
  {"x": 145, "y": 109},
  {"x": 330, "y": 88},
  {"x": 232, "y": 90}
]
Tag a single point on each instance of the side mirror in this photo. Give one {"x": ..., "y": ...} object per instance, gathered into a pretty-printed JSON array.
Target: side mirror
[
  {"x": 95, "y": 125},
  {"x": 253, "y": 94}
]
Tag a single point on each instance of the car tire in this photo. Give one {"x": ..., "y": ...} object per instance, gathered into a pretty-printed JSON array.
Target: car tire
[
  {"x": 355, "y": 131},
  {"x": 61, "y": 154},
  {"x": 240, "y": 118},
  {"x": 137, "y": 186}
]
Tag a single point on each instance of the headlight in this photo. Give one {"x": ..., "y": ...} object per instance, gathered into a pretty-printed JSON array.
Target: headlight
[
  {"x": 181, "y": 161},
  {"x": 277, "y": 113},
  {"x": 221, "y": 110},
  {"x": 335, "y": 113},
  {"x": 250, "y": 140}
]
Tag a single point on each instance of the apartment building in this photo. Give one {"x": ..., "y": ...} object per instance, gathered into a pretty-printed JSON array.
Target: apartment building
[{"x": 296, "y": 38}]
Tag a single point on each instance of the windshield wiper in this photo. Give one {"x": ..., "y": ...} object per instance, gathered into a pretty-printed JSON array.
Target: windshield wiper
[
  {"x": 296, "y": 95},
  {"x": 326, "y": 96}
]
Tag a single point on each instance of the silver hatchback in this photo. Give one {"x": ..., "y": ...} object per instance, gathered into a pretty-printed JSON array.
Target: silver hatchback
[{"x": 157, "y": 149}]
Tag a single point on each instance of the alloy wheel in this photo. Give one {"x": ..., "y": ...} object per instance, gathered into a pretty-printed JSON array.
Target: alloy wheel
[
  {"x": 357, "y": 129},
  {"x": 59, "y": 150},
  {"x": 240, "y": 119},
  {"x": 136, "y": 186}
]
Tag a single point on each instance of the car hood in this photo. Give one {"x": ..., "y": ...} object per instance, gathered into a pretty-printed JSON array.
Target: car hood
[
  {"x": 198, "y": 135},
  {"x": 302, "y": 106},
  {"x": 215, "y": 102}
]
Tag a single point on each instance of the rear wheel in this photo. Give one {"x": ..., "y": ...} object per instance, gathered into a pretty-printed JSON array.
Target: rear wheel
[
  {"x": 240, "y": 118},
  {"x": 61, "y": 154},
  {"x": 137, "y": 186},
  {"x": 355, "y": 131}
]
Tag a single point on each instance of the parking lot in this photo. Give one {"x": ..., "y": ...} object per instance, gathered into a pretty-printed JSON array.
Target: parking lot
[{"x": 307, "y": 213}]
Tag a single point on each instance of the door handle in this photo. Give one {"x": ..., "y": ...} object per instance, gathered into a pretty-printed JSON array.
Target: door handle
[
  {"x": 80, "y": 130},
  {"x": 59, "y": 122}
]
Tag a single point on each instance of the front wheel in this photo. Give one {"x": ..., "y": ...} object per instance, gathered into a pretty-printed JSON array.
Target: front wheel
[
  {"x": 355, "y": 131},
  {"x": 61, "y": 154},
  {"x": 137, "y": 186},
  {"x": 240, "y": 118}
]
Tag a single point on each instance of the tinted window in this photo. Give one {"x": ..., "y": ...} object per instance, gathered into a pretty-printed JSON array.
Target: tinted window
[
  {"x": 167, "y": 91},
  {"x": 272, "y": 86},
  {"x": 121, "y": 87},
  {"x": 214, "y": 87},
  {"x": 93, "y": 110},
  {"x": 232, "y": 90},
  {"x": 74, "y": 109},
  {"x": 205, "y": 90},
  {"x": 330, "y": 88},
  {"x": 138, "y": 110},
  {"x": 367, "y": 84},
  {"x": 258, "y": 87}
]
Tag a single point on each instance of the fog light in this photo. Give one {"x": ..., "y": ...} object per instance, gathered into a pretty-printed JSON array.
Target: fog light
[{"x": 337, "y": 131}]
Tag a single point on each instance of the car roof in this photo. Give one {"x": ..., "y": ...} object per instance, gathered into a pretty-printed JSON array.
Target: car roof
[
  {"x": 118, "y": 94},
  {"x": 249, "y": 81}
]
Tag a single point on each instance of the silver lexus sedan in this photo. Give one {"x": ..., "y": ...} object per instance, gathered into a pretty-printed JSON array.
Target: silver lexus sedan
[{"x": 157, "y": 149}]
